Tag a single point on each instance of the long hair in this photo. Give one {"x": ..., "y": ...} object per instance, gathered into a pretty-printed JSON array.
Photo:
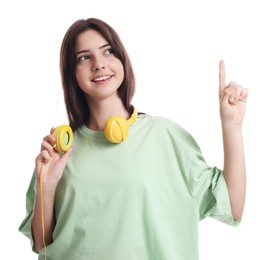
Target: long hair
[{"x": 75, "y": 101}]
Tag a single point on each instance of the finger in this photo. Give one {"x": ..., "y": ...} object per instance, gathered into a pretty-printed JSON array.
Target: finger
[
  {"x": 43, "y": 156},
  {"x": 48, "y": 147},
  {"x": 66, "y": 155},
  {"x": 235, "y": 92},
  {"x": 226, "y": 96},
  {"x": 222, "y": 77},
  {"x": 238, "y": 91},
  {"x": 51, "y": 139},
  {"x": 243, "y": 95}
]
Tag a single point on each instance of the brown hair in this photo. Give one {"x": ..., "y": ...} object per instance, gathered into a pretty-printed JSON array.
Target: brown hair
[{"x": 74, "y": 97}]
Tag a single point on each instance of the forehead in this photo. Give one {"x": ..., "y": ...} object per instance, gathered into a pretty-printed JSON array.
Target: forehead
[{"x": 90, "y": 39}]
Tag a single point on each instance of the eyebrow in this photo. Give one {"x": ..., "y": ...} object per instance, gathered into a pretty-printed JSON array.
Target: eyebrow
[{"x": 101, "y": 47}]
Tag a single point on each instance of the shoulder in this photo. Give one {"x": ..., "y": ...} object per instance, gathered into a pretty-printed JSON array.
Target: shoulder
[
  {"x": 158, "y": 121},
  {"x": 168, "y": 128},
  {"x": 169, "y": 125}
]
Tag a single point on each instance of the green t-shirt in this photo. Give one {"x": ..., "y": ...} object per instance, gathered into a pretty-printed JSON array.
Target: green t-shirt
[{"x": 141, "y": 199}]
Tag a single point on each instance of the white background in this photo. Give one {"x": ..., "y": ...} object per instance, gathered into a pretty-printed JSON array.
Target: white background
[{"x": 175, "y": 47}]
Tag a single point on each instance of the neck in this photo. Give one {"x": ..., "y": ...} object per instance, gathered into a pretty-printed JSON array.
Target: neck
[{"x": 101, "y": 111}]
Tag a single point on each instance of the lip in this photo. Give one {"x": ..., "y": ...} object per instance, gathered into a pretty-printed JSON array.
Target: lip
[{"x": 101, "y": 78}]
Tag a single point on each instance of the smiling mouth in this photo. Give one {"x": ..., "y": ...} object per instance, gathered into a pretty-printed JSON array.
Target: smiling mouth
[{"x": 102, "y": 78}]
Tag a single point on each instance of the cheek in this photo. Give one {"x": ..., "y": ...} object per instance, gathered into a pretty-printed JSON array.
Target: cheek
[
  {"x": 120, "y": 67},
  {"x": 79, "y": 75}
]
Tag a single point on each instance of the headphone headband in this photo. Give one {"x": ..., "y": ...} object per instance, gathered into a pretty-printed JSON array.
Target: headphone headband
[{"x": 133, "y": 117}]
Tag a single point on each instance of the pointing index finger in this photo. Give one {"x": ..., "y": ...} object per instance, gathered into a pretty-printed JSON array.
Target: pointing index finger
[{"x": 222, "y": 77}]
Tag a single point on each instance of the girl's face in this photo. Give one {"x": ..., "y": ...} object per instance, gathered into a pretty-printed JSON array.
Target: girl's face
[{"x": 99, "y": 72}]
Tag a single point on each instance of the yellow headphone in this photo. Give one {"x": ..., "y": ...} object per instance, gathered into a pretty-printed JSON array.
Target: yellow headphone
[
  {"x": 64, "y": 138},
  {"x": 115, "y": 130}
]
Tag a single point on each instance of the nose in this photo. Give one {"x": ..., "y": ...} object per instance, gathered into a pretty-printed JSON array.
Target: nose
[
  {"x": 98, "y": 68},
  {"x": 97, "y": 65}
]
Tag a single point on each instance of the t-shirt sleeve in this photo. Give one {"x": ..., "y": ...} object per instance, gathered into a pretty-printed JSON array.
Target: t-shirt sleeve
[
  {"x": 25, "y": 226},
  {"x": 209, "y": 188},
  {"x": 206, "y": 184}
]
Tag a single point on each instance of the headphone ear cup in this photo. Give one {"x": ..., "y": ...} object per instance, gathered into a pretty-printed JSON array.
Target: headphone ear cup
[
  {"x": 64, "y": 138},
  {"x": 116, "y": 129}
]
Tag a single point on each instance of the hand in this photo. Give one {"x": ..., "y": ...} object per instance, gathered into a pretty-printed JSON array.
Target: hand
[
  {"x": 50, "y": 161},
  {"x": 232, "y": 99}
]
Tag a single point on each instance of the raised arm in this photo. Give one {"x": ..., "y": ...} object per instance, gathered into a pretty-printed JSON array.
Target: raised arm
[{"x": 233, "y": 99}]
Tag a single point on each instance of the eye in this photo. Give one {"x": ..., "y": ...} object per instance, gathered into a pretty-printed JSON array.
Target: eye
[
  {"x": 83, "y": 58},
  {"x": 109, "y": 51}
]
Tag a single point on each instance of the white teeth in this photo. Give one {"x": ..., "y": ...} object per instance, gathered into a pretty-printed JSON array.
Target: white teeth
[{"x": 102, "y": 78}]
